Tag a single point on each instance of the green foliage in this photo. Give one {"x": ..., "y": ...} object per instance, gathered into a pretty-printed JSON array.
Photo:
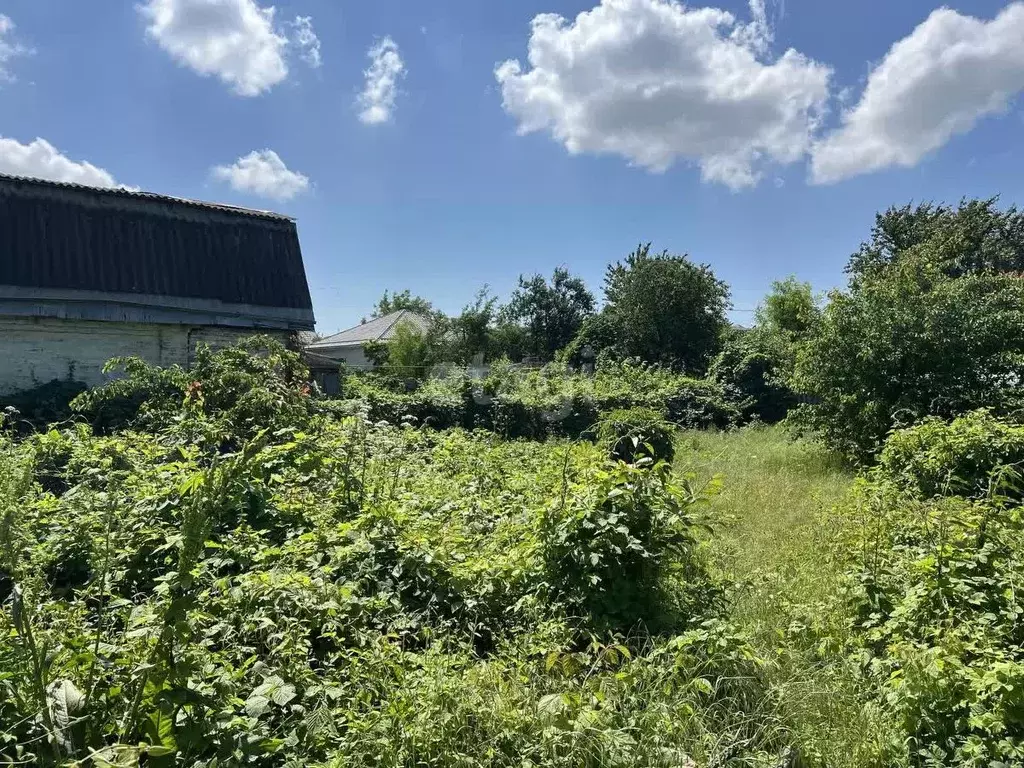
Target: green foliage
[
  {"x": 597, "y": 334},
  {"x": 975, "y": 455},
  {"x": 508, "y": 341},
  {"x": 314, "y": 589},
  {"x": 393, "y": 302},
  {"x": 551, "y": 312},
  {"x": 409, "y": 351},
  {"x": 754, "y": 368},
  {"x": 42, "y": 405},
  {"x": 230, "y": 394},
  {"x": 666, "y": 309},
  {"x": 632, "y": 434},
  {"x": 974, "y": 238},
  {"x": 470, "y": 334},
  {"x": 377, "y": 353},
  {"x": 552, "y": 401},
  {"x": 908, "y": 344},
  {"x": 606, "y": 547},
  {"x": 790, "y": 310},
  {"x": 935, "y": 603}
]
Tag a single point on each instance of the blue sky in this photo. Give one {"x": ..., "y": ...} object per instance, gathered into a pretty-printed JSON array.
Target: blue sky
[{"x": 761, "y": 142}]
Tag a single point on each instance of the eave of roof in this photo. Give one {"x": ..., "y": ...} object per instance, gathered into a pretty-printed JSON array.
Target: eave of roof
[{"x": 137, "y": 194}]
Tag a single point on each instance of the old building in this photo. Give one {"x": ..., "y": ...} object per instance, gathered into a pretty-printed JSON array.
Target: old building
[
  {"x": 89, "y": 274},
  {"x": 347, "y": 346},
  {"x": 326, "y": 356}
]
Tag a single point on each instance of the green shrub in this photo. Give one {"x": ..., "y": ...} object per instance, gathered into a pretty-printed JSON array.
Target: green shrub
[
  {"x": 236, "y": 391},
  {"x": 142, "y": 393},
  {"x": 607, "y": 549},
  {"x": 700, "y": 404},
  {"x": 752, "y": 368},
  {"x": 634, "y": 433},
  {"x": 43, "y": 405},
  {"x": 908, "y": 342},
  {"x": 359, "y": 594},
  {"x": 936, "y": 609},
  {"x": 962, "y": 457},
  {"x": 550, "y": 402}
]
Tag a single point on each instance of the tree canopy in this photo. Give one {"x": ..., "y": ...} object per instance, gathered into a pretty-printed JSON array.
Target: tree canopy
[
  {"x": 973, "y": 237},
  {"x": 550, "y": 311},
  {"x": 666, "y": 309},
  {"x": 393, "y": 302},
  {"x": 790, "y": 309},
  {"x": 909, "y": 342}
]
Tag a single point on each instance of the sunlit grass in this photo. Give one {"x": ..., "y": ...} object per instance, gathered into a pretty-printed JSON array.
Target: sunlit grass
[{"x": 772, "y": 538}]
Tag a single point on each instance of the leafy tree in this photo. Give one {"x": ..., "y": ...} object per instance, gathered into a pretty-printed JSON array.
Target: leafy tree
[
  {"x": 551, "y": 312},
  {"x": 408, "y": 353},
  {"x": 393, "y": 302},
  {"x": 597, "y": 334},
  {"x": 909, "y": 342},
  {"x": 508, "y": 340},
  {"x": 790, "y": 309},
  {"x": 755, "y": 368},
  {"x": 974, "y": 237},
  {"x": 666, "y": 309},
  {"x": 471, "y": 332}
]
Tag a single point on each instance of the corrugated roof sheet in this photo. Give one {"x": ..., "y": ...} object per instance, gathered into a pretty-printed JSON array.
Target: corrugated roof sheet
[
  {"x": 70, "y": 237},
  {"x": 378, "y": 329}
]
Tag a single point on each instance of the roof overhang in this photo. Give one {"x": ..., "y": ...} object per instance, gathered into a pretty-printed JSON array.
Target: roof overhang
[{"x": 144, "y": 308}]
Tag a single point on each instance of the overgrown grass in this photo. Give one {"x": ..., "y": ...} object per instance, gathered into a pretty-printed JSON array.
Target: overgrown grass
[{"x": 774, "y": 543}]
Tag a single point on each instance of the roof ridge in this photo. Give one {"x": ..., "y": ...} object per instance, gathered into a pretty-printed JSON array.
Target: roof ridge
[
  {"x": 399, "y": 315},
  {"x": 140, "y": 194},
  {"x": 394, "y": 322}
]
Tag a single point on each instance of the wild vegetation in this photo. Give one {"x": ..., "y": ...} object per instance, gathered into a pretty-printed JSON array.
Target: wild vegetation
[
  {"x": 229, "y": 575},
  {"x": 616, "y": 559}
]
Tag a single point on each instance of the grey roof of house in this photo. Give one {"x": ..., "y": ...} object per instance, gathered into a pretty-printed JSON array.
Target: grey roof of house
[
  {"x": 378, "y": 329},
  {"x": 69, "y": 242}
]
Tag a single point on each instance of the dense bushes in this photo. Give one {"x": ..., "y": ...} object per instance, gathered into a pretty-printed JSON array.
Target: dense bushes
[
  {"x": 932, "y": 325},
  {"x": 326, "y": 591},
  {"x": 935, "y": 591},
  {"x": 753, "y": 369},
  {"x": 634, "y": 433},
  {"x": 974, "y": 455},
  {"x": 548, "y": 402},
  {"x": 253, "y": 386}
]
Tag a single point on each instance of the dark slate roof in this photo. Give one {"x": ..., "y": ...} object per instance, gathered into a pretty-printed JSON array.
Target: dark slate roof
[
  {"x": 65, "y": 237},
  {"x": 378, "y": 329}
]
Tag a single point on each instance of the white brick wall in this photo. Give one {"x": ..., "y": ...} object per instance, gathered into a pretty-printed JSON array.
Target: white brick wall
[{"x": 34, "y": 351}]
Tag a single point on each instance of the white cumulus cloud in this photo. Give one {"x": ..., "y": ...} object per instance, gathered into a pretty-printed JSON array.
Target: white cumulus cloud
[
  {"x": 9, "y": 47},
  {"x": 262, "y": 173},
  {"x": 305, "y": 39},
  {"x": 951, "y": 71},
  {"x": 658, "y": 82},
  {"x": 236, "y": 40},
  {"x": 41, "y": 160},
  {"x": 377, "y": 100}
]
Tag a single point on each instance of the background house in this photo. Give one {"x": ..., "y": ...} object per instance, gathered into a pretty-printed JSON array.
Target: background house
[
  {"x": 346, "y": 347},
  {"x": 89, "y": 274}
]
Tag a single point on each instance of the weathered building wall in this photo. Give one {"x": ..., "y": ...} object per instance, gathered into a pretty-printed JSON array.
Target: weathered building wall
[
  {"x": 34, "y": 351},
  {"x": 353, "y": 357}
]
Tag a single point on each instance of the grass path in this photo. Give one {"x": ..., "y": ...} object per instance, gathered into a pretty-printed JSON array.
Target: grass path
[{"x": 771, "y": 539}]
